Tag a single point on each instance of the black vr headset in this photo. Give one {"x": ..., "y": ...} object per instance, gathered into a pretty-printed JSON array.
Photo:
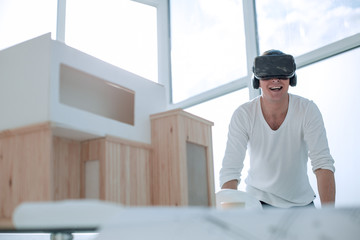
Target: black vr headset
[{"x": 274, "y": 66}]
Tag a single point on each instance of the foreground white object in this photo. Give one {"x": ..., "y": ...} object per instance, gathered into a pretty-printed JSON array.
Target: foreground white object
[
  {"x": 231, "y": 197},
  {"x": 204, "y": 223},
  {"x": 63, "y": 214}
]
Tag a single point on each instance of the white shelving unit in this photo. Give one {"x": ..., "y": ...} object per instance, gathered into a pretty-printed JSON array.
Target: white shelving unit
[{"x": 43, "y": 80}]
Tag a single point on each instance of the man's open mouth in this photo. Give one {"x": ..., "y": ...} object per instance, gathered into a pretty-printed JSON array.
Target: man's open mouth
[{"x": 278, "y": 88}]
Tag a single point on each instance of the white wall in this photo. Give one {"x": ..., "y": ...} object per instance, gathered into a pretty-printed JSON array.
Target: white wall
[{"x": 24, "y": 79}]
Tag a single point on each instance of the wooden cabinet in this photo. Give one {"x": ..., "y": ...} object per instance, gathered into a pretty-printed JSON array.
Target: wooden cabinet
[
  {"x": 36, "y": 165},
  {"x": 123, "y": 170},
  {"x": 55, "y": 129},
  {"x": 182, "y": 167}
]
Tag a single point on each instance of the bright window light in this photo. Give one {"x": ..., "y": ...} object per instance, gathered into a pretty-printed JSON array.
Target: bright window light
[
  {"x": 298, "y": 27},
  {"x": 207, "y": 45},
  {"x": 21, "y": 20},
  {"x": 332, "y": 86},
  {"x": 121, "y": 32}
]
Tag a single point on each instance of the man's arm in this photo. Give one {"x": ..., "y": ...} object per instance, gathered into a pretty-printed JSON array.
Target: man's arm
[
  {"x": 326, "y": 186},
  {"x": 232, "y": 184}
]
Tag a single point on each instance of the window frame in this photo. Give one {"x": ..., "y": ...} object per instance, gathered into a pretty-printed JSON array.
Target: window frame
[
  {"x": 252, "y": 50},
  {"x": 240, "y": 83}
]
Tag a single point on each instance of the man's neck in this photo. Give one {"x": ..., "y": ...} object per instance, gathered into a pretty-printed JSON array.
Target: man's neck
[
  {"x": 274, "y": 112},
  {"x": 274, "y": 108}
]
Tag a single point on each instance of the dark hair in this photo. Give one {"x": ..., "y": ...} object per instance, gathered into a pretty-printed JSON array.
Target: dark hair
[{"x": 273, "y": 52}]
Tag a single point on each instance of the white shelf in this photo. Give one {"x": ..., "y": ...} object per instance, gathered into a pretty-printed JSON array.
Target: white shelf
[
  {"x": 44, "y": 80},
  {"x": 95, "y": 95}
]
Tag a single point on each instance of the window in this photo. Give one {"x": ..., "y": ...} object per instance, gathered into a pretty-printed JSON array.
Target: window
[
  {"x": 298, "y": 27},
  {"x": 21, "y": 20},
  {"x": 207, "y": 45},
  {"x": 121, "y": 32},
  {"x": 333, "y": 86}
]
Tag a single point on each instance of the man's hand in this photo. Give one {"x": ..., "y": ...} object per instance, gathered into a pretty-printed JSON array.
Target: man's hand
[
  {"x": 326, "y": 186},
  {"x": 232, "y": 184}
]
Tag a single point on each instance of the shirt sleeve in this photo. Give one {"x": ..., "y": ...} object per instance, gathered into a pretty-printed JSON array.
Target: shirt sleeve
[
  {"x": 233, "y": 161},
  {"x": 316, "y": 140}
]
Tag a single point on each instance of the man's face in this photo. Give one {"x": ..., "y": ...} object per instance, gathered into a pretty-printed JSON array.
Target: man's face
[{"x": 275, "y": 89}]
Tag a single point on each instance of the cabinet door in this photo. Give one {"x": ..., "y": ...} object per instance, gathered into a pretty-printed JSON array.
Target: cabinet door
[{"x": 197, "y": 175}]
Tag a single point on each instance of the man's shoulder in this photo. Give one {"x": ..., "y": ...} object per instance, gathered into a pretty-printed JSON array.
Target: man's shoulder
[
  {"x": 298, "y": 98},
  {"x": 300, "y": 101},
  {"x": 303, "y": 107}
]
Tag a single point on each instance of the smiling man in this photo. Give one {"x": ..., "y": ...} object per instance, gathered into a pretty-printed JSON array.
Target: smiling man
[{"x": 281, "y": 131}]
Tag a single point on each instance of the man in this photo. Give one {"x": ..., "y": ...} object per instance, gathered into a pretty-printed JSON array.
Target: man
[{"x": 281, "y": 130}]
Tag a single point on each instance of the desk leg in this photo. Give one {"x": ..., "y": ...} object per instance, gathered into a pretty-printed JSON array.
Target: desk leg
[{"x": 61, "y": 236}]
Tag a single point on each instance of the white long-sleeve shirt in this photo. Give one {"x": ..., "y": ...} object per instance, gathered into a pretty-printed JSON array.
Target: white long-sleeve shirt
[{"x": 278, "y": 158}]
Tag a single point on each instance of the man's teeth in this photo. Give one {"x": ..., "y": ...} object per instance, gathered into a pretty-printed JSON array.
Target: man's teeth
[{"x": 275, "y": 88}]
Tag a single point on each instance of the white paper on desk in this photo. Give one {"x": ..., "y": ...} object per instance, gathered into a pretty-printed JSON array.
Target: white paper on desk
[
  {"x": 201, "y": 223},
  {"x": 63, "y": 214}
]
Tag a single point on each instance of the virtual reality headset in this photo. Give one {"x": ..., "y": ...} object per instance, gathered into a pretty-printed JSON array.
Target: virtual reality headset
[{"x": 274, "y": 66}]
